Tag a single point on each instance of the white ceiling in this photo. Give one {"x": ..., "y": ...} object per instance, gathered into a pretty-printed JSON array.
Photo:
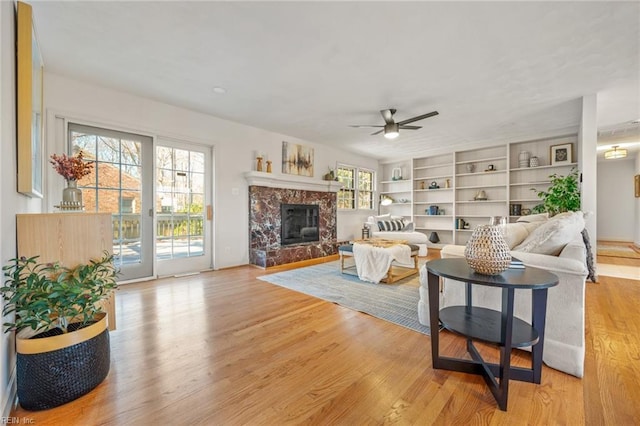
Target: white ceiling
[{"x": 495, "y": 71}]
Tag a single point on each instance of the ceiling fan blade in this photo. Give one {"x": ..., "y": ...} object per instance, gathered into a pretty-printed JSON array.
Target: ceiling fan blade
[
  {"x": 410, "y": 127},
  {"x": 377, "y": 133},
  {"x": 387, "y": 114},
  {"x": 420, "y": 117},
  {"x": 363, "y": 125}
]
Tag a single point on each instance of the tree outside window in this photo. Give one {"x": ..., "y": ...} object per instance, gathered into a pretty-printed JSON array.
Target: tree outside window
[
  {"x": 357, "y": 188},
  {"x": 365, "y": 189}
]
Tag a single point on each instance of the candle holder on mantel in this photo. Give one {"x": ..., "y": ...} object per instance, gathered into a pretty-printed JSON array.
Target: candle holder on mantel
[
  {"x": 269, "y": 166},
  {"x": 259, "y": 164}
]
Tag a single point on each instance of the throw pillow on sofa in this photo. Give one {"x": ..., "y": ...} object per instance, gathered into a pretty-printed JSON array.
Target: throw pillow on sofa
[
  {"x": 390, "y": 225},
  {"x": 541, "y": 217},
  {"x": 551, "y": 236},
  {"x": 515, "y": 233}
]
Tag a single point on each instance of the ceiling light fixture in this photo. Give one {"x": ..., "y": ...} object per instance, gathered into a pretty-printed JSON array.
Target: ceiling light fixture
[
  {"x": 219, "y": 90},
  {"x": 615, "y": 153},
  {"x": 391, "y": 131}
]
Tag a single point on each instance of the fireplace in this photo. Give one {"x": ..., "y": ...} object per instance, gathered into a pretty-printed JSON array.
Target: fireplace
[
  {"x": 299, "y": 223},
  {"x": 313, "y": 234}
]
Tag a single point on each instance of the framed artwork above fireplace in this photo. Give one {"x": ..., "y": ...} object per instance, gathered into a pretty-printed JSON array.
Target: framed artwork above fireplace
[{"x": 297, "y": 159}]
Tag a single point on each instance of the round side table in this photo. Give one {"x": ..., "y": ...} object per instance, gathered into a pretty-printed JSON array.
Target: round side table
[{"x": 488, "y": 325}]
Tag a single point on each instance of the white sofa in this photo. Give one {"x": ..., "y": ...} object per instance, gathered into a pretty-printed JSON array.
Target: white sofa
[
  {"x": 406, "y": 232},
  {"x": 561, "y": 239}
]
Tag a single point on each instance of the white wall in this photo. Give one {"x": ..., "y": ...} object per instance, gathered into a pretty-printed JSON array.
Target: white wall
[
  {"x": 587, "y": 156},
  {"x": 235, "y": 151},
  {"x": 637, "y": 221},
  {"x": 617, "y": 218},
  {"x": 11, "y": 202}
]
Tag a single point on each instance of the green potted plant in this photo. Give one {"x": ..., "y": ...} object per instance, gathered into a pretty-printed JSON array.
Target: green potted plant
[
  {"x": 331, "y": 175},
  {"x": 62, "y": 336},
  {"x": 563, "y": 195}
]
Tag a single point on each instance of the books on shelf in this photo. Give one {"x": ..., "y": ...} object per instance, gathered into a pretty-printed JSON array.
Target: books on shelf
[{"x": 516, "y": 264}]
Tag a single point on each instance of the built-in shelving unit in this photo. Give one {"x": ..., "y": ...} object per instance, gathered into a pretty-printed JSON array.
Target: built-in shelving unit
[
  {"x": 455, "y": 183},
  {"x": 481, "y": 188},
  {"x": 396, "y": 184},
  {"x": 433, "y": 183},
  {"x": 526, "y": 182}
]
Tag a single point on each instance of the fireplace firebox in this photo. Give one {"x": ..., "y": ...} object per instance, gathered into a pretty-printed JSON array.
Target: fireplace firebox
[{"x": 299, "y": 223}]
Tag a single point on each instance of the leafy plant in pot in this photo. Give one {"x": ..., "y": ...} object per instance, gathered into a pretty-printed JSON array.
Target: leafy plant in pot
[
  {"x": 62, "y": 339},
  {"x": 563, "y": 195}
]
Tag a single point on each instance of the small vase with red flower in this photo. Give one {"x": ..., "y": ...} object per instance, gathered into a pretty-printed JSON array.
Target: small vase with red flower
[{"x": 72, "y": 168}]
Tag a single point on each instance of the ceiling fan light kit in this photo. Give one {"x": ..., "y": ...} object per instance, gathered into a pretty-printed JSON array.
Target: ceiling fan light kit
[
  {"x": 391, "y": 129},
  {"x": 615, "y": 153}
]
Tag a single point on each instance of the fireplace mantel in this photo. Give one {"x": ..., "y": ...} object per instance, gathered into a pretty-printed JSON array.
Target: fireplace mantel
[{"x": 291, "y": 182}]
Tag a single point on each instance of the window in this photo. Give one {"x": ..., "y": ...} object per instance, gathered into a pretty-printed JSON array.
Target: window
[
  {"x": 365, "y": 189},
  {"x": 357, "y": 188}
]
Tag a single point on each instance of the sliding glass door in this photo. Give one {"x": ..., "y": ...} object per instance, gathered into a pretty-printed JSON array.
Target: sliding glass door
[
  {"x": 121, "y": 184},
  {"x": 183, "y": 207}
]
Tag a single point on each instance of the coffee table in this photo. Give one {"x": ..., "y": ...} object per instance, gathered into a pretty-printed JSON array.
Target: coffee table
[
  {"x": 488, "y": 325},
  {"x": 395, "y": 272}
]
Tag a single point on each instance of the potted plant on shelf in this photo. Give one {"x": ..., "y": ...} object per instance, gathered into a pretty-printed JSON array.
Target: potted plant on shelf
[
  {"x": 563, "y": 195},
  {"x": 62, "y": 339}
]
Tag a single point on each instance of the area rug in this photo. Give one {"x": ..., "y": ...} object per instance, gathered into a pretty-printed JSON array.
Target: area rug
[
  {"x": 618, "y": 250},
  {"x": 396, "y": 303}
]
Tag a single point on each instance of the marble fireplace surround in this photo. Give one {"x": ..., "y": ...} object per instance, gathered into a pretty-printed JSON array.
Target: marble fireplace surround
[{"x": 266, "y": 194}]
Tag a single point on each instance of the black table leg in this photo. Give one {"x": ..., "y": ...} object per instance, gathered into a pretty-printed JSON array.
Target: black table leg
[
  {"x": 433, "y": 283},
  {"x": 496, "y": 376},
  {"x": 538, "y": 320}
]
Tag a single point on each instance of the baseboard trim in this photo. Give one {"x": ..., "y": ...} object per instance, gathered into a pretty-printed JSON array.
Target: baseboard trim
[
  {"x": 302, "y": 263},
  {"x": 615, "y": 242}
]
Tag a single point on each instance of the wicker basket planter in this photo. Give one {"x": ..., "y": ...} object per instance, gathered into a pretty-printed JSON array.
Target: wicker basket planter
[
  {"x": 55, "y": 369},
  {"x": 487, "y": 251}
]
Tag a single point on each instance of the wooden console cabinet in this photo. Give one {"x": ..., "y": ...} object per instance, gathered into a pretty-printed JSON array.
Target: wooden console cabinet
[{"x": 68, "y": 238}]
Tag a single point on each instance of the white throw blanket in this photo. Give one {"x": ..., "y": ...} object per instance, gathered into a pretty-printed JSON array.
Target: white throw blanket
[{"x": 372, "y": 263}]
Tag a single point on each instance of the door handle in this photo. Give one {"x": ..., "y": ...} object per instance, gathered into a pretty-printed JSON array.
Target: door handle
[
  {"x": 209, "y": 212},
  {"x": 150, "y": 212}
]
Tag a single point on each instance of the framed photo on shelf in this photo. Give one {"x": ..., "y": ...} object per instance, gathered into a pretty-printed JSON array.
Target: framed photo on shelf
[{"x": 561, "y": 154}]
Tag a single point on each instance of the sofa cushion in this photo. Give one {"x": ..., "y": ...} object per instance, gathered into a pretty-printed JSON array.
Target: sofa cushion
[
  {"x": 376, "y": 219},
  {"x": 551, "y": 236},
  {"x": 409, "y": 227},
  {"x": 534, "y": 218},
  {"x": 515, "y": 233}
]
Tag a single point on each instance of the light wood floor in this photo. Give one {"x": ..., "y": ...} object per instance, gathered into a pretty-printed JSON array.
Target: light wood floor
[{"x": 224, "y": 348}]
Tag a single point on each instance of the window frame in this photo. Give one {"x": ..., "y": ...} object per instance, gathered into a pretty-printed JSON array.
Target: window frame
[{"x": 355, "y": 189}]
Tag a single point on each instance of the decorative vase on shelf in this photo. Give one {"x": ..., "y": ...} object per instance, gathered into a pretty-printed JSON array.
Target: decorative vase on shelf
[
  {"x": 534, "y": 162},
  {"x": 72, "y": 196},
  {"x": 487, "y": 252}
]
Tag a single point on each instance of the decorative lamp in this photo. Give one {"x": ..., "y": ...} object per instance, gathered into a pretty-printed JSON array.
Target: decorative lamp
[
  {"x": 385, "y": 200},
  {"x": 615, "y": 153}
]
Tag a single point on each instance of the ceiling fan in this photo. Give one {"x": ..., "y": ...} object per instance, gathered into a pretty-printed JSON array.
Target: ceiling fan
[{"x": 391, "y": 129}]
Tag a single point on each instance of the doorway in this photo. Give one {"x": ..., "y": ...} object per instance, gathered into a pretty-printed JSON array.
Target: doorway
[
  {"x": 121, "y": 183},
  {"x": 183, "y": 207}
]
